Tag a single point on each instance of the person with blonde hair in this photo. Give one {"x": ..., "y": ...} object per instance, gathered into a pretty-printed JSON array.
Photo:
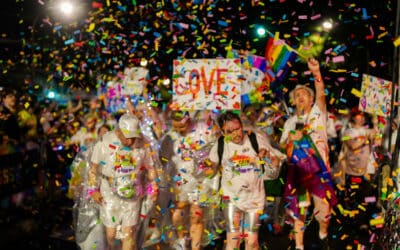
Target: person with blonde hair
[{"x": 305, "y": 140}]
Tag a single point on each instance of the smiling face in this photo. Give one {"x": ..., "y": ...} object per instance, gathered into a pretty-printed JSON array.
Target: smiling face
[{"x": 234, "y": 131}]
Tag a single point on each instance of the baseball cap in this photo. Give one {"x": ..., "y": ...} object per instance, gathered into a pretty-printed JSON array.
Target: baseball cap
[{"x": 129, "y": 126}]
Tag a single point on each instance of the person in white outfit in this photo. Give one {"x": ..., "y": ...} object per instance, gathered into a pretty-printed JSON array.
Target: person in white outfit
[
  {"x": 193, "y": 186},
  {"x": 242, "y": 184},
  {"x": 305, "y": 139},
  {"x": 123, "y": 159},
  {"x": 89, "y": 231}
]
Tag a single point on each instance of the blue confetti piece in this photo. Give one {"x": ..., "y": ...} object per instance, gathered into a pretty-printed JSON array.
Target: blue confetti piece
[
  {"x": 222, "y": 23},
  {"x": 70, "y": 41}
]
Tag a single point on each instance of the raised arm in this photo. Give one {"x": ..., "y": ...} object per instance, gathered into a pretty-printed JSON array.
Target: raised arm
[{"x": 320, "y": 99}]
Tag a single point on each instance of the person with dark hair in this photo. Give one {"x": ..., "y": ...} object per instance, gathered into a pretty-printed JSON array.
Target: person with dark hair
[
  {"x": 242, "y": 184},
  {"x": 88, "y": 230},
  {"x": 184, "y": 150},
  {"x": 357, "y": 174},
  {"x": 11, "y": 158},
  {"x": 9, "y": 121},
  {"x": 305, "y": 140}
]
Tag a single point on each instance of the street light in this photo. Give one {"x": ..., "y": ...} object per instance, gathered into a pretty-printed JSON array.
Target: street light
[
  {"x": 327, "y": 25},
  {"x": 66, "y": 8},
  {"x": 54, "y": 13}
]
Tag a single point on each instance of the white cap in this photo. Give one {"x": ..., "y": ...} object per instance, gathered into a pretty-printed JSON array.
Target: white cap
[{"x": 129, "y": 126}]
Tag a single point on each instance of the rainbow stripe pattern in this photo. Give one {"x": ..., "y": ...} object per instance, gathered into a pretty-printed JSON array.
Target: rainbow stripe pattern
[{"x": 279, "y": 56}]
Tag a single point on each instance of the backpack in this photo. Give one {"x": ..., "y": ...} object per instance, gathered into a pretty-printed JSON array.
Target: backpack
[{"x": 272, "y": 187}]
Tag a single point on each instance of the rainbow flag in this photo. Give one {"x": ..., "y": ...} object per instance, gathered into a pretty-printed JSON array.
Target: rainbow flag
[
  {"x": 279, "y": 55},
  {"x": 257, "y": 77}
]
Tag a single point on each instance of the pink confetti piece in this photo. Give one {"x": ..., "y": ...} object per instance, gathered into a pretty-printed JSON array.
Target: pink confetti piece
[
  {"x": 315, "y": 17},
  {"x": 338, "y": 59}
]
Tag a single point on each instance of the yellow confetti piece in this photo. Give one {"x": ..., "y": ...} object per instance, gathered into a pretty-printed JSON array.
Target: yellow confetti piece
[
  {"x": 362, "y": 208},
  {"x": 377, "y": 221},
  {"x": 356, "y": 92},
  {"x": 382, "y": 35},
  {"x": 396, "y": 42},
  {"x": 338, "y": 70},
  {"x": 270, "y": 198},
  {"x": 346, "y": 138},
  {"x": 354, "y": 186}
]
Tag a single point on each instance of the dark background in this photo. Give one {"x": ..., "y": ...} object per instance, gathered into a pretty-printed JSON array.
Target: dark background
[{"x": 33, "y": 39}]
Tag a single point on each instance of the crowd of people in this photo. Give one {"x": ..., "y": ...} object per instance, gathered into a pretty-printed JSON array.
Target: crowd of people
[{"x": 148, "y": 176}]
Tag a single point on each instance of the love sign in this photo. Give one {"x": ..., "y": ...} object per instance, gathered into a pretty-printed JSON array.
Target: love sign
[{"x": 200, "y": 84}]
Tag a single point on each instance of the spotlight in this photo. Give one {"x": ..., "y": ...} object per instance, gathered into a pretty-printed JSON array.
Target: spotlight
[
  {"x": 261, "y": 31},
  {"x": 51, "y": 95}
]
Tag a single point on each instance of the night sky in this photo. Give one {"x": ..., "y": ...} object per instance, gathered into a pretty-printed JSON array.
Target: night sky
[{"x": 104, "y": 37}]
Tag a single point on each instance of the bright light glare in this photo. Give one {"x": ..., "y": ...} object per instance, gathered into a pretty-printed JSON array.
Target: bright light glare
[
  {"x": 166, "y": 82},
  {"x": 261, "y": 31},
  {"x": 66, "y": 8},
  {"x": 143, "y": 62},
  {"x": 51, "y": 94},
  {"x": 327, "y": 25}
]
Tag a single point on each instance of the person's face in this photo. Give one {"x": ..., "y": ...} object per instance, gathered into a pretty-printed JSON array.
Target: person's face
[
  {"x": 302, "y": 99},
  {"x": 93, "y": 104},
  {"x": 102, "y": 131},
  {"x": 127, "y": 142},
  {"x": 182, "y": 126},
  {"x": 359, "y": 119},
  {"x": 91, "y": 124},
  {"x": 9, "y": 100},
  {"x": 234, "y": 131}
]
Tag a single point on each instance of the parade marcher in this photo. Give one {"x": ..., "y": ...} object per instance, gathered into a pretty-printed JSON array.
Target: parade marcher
[
  {"x": 124, "y": 163},
  {"x": 242, "y": 186},
  {"x": 194, "y": 187},
  {"x": 357, "y": 169},
  {"x": 356, "y": 157},
  {"x": 89, "y": 231},
  {"x": 305, "y": 140},
  {"x": 86, "y": 134},
  {"x": 152, "y": 127}
]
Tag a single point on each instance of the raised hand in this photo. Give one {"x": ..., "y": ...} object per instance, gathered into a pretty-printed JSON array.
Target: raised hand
[{"x": 313, "y": 66}]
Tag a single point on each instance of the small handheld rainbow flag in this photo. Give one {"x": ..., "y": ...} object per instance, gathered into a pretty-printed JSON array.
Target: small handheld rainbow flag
[{"x": 279, "y": 55}]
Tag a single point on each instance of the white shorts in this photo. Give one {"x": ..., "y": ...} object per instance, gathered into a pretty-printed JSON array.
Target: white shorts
[{"x": 117, "y": 211}]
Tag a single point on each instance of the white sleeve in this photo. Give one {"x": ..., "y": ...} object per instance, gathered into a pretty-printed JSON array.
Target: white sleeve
[
  {"x": 262, "y": 141},
  {"x": 285, "y": 133},
  {"x": 97, "y": 153},
  {"x": 214, "y": 153}
]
